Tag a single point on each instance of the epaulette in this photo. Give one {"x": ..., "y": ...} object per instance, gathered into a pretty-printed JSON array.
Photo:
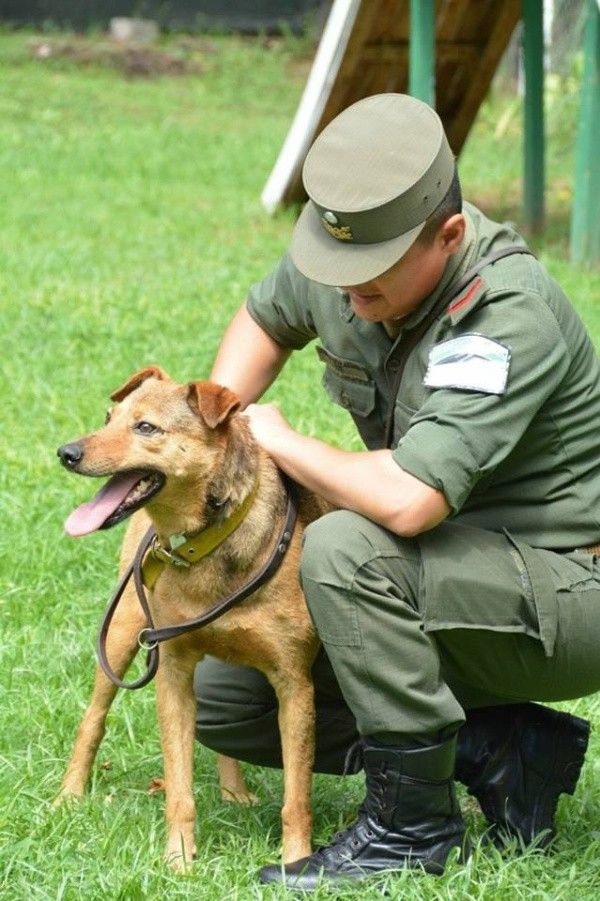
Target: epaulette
[{"x": 462, "y": 305}]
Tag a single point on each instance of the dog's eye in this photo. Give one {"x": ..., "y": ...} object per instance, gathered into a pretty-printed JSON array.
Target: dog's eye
[
  {"x": 108, "y": 415},
  {"x": 146, "y": 428}
]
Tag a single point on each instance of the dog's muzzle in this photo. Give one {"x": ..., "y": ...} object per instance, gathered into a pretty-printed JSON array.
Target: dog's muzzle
[{"x": 70, "y": 455}]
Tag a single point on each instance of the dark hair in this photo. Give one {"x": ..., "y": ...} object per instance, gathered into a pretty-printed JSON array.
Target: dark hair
[{"x": 449, "y": 206}]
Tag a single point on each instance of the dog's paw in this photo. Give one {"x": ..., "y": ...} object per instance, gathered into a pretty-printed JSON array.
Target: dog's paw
[
  {"x": 238, "y": 796},
  {"x": 67, "y": 796},
  {"x": 178, "y": 864},
  {"x": 180, "y": 856}
]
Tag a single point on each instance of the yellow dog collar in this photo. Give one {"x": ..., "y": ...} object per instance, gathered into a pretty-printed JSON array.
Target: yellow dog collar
[{"x": 194, "y": 549}]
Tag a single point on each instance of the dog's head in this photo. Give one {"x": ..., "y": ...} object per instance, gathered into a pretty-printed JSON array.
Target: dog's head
[{"x": 157, "y": 431}]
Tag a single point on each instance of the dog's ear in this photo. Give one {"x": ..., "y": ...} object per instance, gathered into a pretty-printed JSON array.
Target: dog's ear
[
  {"x": 212, "y": 402},
  {"x": 149, "y": 372}
]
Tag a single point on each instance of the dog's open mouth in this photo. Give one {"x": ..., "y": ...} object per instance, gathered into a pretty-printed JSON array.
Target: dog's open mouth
[{"x": 121, "y": 496}]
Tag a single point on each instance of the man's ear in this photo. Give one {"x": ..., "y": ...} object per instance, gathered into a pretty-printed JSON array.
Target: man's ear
[
  {"x": 452, "y": 232},
  {"x": 212, "y": 402},
  {"x": 149, "y": 372}
]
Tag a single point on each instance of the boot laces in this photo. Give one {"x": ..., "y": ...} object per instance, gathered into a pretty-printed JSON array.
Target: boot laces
[
  {"x": 346, "y": 838},
  {"x": 376, "y": 781}
]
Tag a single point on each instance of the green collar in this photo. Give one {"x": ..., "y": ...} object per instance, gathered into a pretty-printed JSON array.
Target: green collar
[{"x": 185, "y": 552}]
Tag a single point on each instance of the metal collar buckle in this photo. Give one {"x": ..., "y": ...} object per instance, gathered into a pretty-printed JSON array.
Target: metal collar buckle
[{"x": 165, "y": 556}]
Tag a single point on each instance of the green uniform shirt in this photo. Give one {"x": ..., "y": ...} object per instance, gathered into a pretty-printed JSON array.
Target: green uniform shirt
[{"x": 506, "y": 423}]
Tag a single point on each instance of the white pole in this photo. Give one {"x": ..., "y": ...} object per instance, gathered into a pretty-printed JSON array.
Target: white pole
[{"x": 329, "y": 56}]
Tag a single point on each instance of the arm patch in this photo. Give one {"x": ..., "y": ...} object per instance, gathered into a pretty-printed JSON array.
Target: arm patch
[{"x": 469, "y": 363}]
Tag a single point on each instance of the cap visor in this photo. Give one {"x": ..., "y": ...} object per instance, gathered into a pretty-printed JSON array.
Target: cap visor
[{"x": 324, "y": 259}]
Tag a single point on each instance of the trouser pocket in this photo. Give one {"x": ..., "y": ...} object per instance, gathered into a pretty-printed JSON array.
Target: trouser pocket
[
  {"x": 543, "y": 591},
  {"x": 474, "y": 579}
]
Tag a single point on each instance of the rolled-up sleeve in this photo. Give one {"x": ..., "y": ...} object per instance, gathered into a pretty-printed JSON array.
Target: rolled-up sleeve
[
  {"x": 459, "y": 436},
  {"x": 279, "y": 304}
]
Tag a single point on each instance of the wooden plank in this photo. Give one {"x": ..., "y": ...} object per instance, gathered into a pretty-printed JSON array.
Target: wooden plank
[
  {"x": 452, "y": 20},
  {"x": 398, "y": 52},
  {"x": 392, "y": 22},
  {"x": 508, "y": 14}
]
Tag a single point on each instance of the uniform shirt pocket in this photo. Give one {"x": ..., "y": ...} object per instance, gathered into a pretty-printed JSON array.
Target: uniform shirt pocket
[{"x": 347, "y": 383}]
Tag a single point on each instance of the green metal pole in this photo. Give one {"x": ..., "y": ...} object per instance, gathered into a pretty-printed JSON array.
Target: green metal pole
[
  {"x": 421, "y": 69},
  {"x": 585, "y": 220},
  {"x": 533, "y": 175}
]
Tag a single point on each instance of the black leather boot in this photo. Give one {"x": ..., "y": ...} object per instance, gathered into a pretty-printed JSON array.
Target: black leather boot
[
  {"x": 410, "y": 817},
  {"x": 516, "y": 760}
]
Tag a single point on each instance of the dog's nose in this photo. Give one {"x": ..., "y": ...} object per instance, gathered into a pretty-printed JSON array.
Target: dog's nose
[{"x": 70, "y": 455}]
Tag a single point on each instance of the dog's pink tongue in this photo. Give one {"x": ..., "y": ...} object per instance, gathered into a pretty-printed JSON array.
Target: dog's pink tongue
[{"x": 91, "y": 515}]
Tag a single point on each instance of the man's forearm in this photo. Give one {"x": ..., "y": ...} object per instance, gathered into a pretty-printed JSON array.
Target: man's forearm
[
  {"x": 368, "y": 482},
  {"x": 248, "y": 360}
]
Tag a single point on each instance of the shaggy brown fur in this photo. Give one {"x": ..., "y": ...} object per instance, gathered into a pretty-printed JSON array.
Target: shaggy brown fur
[{"x": 206, "y": 451}]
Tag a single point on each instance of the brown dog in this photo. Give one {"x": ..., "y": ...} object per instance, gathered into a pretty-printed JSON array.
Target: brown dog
[{"x": 183, "y": 453}]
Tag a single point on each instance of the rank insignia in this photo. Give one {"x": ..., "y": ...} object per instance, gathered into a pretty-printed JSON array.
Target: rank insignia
[{"x": 339, "y": 232}]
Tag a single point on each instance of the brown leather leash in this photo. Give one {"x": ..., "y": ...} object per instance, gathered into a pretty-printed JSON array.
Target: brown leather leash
[{"x": 149, "y": 638}]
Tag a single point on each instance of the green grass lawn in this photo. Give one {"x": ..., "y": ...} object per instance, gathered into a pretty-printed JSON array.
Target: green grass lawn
[{"x": 130, "y": 230}]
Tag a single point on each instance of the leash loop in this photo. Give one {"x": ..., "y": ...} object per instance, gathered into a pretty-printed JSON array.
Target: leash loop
[
  {"x": 152, "y": 655},
  {"x": 144, "y": 645}
]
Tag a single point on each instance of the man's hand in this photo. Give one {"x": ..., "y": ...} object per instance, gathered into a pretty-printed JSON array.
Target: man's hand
[
  {"x": 370, "y": 483},
  {"x": 269, "y": 426}
]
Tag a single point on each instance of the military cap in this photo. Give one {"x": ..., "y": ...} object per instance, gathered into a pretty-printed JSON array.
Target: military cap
[{"x": 373, "y": 176}]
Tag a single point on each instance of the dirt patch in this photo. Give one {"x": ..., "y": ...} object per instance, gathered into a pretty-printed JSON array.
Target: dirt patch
[{"x": 130, "y": 59}]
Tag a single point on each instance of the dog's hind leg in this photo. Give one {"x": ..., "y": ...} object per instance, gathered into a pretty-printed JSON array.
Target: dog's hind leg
[
  {"x": 231, "y": 781},
  {"x": 121, "y": 648},
  {"x": 295, "y": 695}
]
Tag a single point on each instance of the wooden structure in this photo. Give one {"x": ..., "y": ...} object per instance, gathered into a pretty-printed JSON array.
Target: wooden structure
[{"x": 366, "y": 49}]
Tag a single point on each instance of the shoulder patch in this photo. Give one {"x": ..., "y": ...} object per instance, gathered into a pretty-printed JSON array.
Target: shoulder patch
[
  {"x": 466, "y": 300},
  {"x": 469, "y": 363}
]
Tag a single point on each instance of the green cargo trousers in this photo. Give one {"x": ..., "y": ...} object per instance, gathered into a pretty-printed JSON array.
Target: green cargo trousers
[{"x": 415, "y": 631}]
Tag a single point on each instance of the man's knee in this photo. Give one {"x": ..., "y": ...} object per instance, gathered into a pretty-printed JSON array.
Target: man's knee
[
  {"x": 333, "y": 541},
  {"x": 337, "y": 546}
]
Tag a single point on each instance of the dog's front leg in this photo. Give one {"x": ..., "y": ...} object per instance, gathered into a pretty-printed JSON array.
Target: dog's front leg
[
  {"x": 121, "y": 648},
  {"x": 176, "y": 706},
  {"x": 295, "y": 695}
]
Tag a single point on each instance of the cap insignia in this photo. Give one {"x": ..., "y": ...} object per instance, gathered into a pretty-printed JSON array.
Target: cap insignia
[{"x": 340, "y": 232}]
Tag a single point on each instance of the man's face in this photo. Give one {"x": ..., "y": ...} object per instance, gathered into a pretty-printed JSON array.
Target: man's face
[{"x": 399, "y": 291}]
